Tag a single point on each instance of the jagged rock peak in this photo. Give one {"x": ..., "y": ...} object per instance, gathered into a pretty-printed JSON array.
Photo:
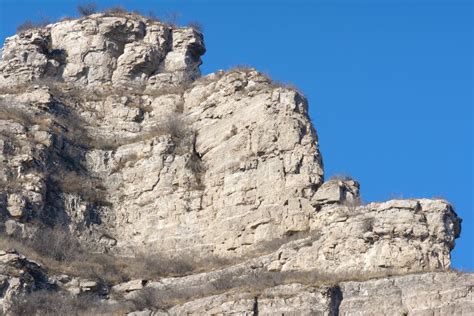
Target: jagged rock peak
[
  {"x": 104, "y": 48},
  {"x": 128, "y": 178}
]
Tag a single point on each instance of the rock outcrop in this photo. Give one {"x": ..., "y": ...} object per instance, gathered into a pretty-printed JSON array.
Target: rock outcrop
[{"x": 109, "y": 134}]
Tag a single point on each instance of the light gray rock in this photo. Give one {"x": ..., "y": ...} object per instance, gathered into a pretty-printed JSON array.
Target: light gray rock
[
  {"x": 410, "y": 236},
  {"x": 16, "y": 205},
  {"x": 104, "y": 49},
  {"x": 338, "y": 191},
  {"x": 437, "y": 293},
  {"x": 291, "y": 299},
  {"x": 18, "y": 277},
  {"x": 447, "y": 293},
  {"x": 130, "y": 286},
  {"x": 107, "y": 129}
]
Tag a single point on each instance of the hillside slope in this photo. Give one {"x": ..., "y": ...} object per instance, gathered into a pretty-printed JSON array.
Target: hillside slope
[{"x": 134, "y": 185}]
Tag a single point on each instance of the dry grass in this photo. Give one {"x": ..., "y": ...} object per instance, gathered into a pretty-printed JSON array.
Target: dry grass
[
  {"x": 30, "y": 25},
  {"x": 49, "y": 302},
  {"x": 172, "y": 18},
  {"x": 17, "y": 114},
  {"x": 253, "y": 283},
  {"x": 174, "y": 126},
  {"x": 241, "y": 68},
  {"x": 82, "y": 184},
  {"x": 60, "y": 253},
  {"x": 116, "y": 11},
  {"x": 286, "y": 85},
  {"x": 76, "y": 129},
  {"x": 341, "y": 177},
  {"x": 196, "y": 26},
  {"x": 112, "y": 270}
]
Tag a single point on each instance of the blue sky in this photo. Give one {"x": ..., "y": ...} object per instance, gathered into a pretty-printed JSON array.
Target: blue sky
[{"x": 389, "y": 82}]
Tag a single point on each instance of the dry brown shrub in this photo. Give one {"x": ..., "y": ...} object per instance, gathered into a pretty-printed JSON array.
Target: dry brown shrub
[
  {"x": 116, "y": 11},
  {"x": 30, "y": 25},
  {"x": 197, "y": 26},
  {"x": 87, "y": 9},
  {"x": 52, "y": 302}
]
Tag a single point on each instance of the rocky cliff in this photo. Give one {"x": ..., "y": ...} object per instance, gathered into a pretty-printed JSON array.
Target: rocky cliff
[{"x": 133, "y": 183}]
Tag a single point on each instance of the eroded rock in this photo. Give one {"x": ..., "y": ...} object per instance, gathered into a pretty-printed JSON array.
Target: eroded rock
[{"x": 107, "y": 130}]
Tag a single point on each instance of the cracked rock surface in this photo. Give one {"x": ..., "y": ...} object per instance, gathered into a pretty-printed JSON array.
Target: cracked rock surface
[{"x": 108, "y": 130}]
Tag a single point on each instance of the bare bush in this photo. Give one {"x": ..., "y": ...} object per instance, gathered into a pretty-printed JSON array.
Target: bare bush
[
  {"x": 87, "y": 9},
  {"x": 285, "y": 85},
  {"x": 60, "y": 252},
  {"x": 341, "y": 177},
  {"x": 352, "y": 205},
  {"x": 56, "y": 243},
  {"x": 25, "y": 26},
  {"x": 368, "y": 224},
  {"x": 30, "y": 25},
  {"x": 150, "y": 298},
  {"x": 196, "y": 26},
  {"x": 152, "y": 16},
  {"x": 174, "y": 126},
  {"x": 172, "y": 18},
  {"x": 46, "y": 302},
  {"x": 241, "y": 68},
  {"x": 74, "y": 182},
  {"x": 14, "y": 114},
  {"x": 116, "y": 11}
]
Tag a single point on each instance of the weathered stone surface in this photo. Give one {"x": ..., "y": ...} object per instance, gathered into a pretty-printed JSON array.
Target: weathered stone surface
[
  {"x": 235, "y": 178},
  {"x": 291, "y": 299},
  {"x": 449, "y": 293},
  {"x": 338, "y": 191},
  {"x": 130, "y": 286},
  {"x": 401, "y": 236},
  {"x": 16, "y": 205},
  {"x": 104, "y": 49},
  {"x": 122, "y": 143},
  {"x": 437, "y": 293},
  {"x": 19, "y": 276}
]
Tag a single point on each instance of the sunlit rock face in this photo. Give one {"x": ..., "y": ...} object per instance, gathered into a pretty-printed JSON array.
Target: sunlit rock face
[
  {"x": 108, "y": 130},
  {"x": 103, "y": 49}
]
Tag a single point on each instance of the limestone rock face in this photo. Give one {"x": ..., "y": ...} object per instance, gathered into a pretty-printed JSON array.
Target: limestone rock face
[
  {"x": 448, "y": 293},
  {"x": 338, "y": 191},
  {"x": 291, "y": 299},
  {"x": 239, "y": 182},
  {"x": 18, "y": 276},
  {"x": 418, "y": 294},
  {"x": 108, "y": 132},
  {"x": 104, "y": 49},
  {"x": 408, "y": 236}
]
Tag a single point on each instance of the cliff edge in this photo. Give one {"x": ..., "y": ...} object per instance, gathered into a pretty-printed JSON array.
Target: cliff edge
[{"x": 131, "y": 182}]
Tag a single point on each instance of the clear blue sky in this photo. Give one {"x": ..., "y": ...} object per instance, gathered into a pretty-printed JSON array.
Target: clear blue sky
[{"x": 389, "y": 82}]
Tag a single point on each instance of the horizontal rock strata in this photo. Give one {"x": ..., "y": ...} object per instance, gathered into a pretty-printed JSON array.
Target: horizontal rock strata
[{"x": 112, "y": 145}]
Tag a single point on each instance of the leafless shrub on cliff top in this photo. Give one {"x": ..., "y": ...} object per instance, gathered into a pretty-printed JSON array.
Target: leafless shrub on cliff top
[
  {"x": 172, "y": 18},
  {"x": 18, "y": 114},
  {"x": 196, "y": 26},
  {"x": 241, "y": 68},
  {"x": 116, "y": 11},
  {"x": 286, "y": 85},
  {"x": 25, "y": 26},
  {"x": 29, "y": 25},
  {"x": 71, "y": 181},
  {"x": 341, "y": 177},
  {"x": 55, "y": 243},
  {"x": 87, "y": 8}
]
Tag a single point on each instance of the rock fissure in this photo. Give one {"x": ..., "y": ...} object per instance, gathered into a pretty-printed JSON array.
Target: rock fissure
[{"x": 111, "y": 142}]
